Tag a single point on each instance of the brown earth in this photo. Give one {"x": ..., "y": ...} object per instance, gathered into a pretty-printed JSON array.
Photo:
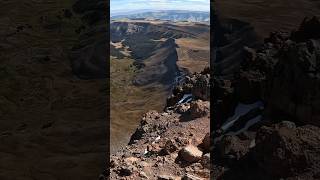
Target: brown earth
[
  {"x": 52, "y": 124},
  {"x": 127, "y": 104},
  {"x": 191, "y": 51}
]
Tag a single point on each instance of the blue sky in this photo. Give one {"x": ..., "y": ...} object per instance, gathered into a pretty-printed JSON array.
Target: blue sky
[{"x": 131, "y": 5}]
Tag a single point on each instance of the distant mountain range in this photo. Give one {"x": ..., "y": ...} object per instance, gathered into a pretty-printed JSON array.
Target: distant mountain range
[{"x": 172, "y": 15}]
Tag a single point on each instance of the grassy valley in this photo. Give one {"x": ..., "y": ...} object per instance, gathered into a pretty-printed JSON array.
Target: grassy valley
[
  {"x": 129, "y": 102},
  {"x": 146, "y": 56}
]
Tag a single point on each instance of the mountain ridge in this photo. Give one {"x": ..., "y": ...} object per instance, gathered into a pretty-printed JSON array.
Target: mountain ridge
[{"x": 172, "y": 15}]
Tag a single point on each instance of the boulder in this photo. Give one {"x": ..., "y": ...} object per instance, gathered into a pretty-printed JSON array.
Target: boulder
[
  {"x": 201, "y": 87},
  {"x": 199, "y": 108},
  {"x": 182, "y": 108},
  {"x": 126, "y": 170},
  {"x": 205, "y": 160},
  {"x": 206, "y": 143},
  {"x": 285, "y": 151},
  {"x": 131, "y": 160},
  {"x": 169, "y": 147},
  {"x": 168, "y": 177},
  {"x": 190, "y": 154},
  {"x": 291, "y": 87},
  {"x": 233, "y": 148},
  {"x": 191, "y": 177},
  {"x": 143, "y": 175}
]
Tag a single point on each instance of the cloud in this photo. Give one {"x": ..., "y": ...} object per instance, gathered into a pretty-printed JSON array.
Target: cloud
[
  {"x": 157, "y": 1},
  {"x": 201, "y": 5}
]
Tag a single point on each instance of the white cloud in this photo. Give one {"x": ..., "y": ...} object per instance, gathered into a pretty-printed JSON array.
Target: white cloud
[{"x": 201, "y": 5}]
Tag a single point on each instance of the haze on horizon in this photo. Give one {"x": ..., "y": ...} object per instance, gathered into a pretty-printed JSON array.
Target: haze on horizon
[{"x": 122, "y": 6}]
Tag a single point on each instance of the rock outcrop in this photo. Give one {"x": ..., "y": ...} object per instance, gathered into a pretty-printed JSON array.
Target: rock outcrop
[
  {"x": 287, "y": 151},
  {"x": 199, "y": 109},
  {"x": 278, "y": 151},
  {"x": 285, "y": 73},
  {"x": 283, "y": 141},
  {"x": 197, "y": 84}
]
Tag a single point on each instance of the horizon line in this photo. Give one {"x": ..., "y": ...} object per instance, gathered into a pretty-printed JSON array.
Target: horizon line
[{"x": 154, "y": 10}]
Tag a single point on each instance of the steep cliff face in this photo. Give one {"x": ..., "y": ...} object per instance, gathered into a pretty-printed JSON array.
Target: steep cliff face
[
  {"x": 142, "y": 37},
  {"x": 153, "y": 45},
  {"x": 156, "y": 29},
  {"x": 161, "y": 66}
]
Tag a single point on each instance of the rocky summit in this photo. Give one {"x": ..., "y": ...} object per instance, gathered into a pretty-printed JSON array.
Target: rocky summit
[
  {"x": 173, "y": 144},
  {"x": 267, "y": 123}
]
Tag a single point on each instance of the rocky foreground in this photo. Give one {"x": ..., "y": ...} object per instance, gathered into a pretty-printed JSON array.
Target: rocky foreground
[
  {"x": 173, "y": 144},
  {"x": 283, "y": 141}
]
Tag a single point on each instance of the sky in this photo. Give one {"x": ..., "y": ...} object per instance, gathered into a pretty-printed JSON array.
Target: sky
[{"x": 132, "y": 5}]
